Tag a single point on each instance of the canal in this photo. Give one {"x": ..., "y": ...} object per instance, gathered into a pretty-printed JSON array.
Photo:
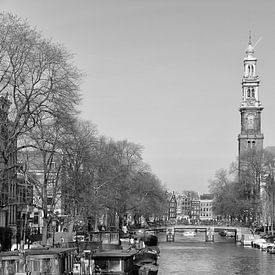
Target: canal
[{"x": 192, "y": 255}]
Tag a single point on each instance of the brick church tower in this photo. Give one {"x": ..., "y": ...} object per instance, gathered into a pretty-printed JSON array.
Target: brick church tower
[{"x": 251, "y": 108}]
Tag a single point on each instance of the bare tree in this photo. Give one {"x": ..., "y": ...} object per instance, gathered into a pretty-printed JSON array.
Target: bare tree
[
  {"x": 41, "y": 84},
  {"x": 36, "y": 76},
  {"x": 79, "y": 145}
]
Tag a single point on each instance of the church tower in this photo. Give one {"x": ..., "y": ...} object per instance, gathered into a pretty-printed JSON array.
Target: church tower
[{"x": 251, "y": 136}]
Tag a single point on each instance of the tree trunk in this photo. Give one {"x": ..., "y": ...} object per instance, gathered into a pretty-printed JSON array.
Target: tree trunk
[{"x": 44, "y": 232}]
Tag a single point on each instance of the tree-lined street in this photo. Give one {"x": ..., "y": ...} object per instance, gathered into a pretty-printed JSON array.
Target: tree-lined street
[{"x": 75, "y": 175}]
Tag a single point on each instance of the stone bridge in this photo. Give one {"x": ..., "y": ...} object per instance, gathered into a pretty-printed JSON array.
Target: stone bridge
[{"x": 232, "y": 231}]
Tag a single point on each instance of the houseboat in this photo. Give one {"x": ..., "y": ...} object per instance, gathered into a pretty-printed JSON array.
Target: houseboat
[
  {"x": 54, "y": 261},
  {"x": 115, "y": 262}
]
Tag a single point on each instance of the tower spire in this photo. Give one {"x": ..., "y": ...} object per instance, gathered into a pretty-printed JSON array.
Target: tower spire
[
  {"x": 250, "y": 49},
  {"x": 251, "y": 136}
]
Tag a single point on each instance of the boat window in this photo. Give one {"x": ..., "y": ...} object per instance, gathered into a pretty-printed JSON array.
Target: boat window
[
  {"x": 101, "y": 263},
  {"x": 46, "y": 266},
  {"x": 36, "y": 265},
  {"x": 114, "y": 265}
]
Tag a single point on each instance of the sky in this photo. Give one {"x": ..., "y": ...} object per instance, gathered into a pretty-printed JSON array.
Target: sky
[{"x": 165, "y": 74}]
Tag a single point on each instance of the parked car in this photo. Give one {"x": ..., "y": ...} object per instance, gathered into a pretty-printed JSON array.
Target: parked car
[
  {"x": 247, "y": 239},
  {"x": 258, "y": 243},
  {"x": 259, "y": 230},
  {"x": 270, "y": 238},
  {"x": 271, "y": 249},
  {"x": 267, "y": 246},
  {"x": 270, "y": 242}
]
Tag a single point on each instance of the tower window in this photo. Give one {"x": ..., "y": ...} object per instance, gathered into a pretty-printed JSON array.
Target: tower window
[
  {"x": 253, "y": 93},
  {"x": 250, "y": 70},
  {"x": 251, "y": 144},
  {"x": 248, "y": 93}
]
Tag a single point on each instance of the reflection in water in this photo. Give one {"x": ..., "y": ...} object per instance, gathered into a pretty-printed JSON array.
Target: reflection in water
[{"x": 194, "y": 256}]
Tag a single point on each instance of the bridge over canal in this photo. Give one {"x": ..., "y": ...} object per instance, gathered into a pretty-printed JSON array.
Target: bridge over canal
[{"x": 230, "y": 231}]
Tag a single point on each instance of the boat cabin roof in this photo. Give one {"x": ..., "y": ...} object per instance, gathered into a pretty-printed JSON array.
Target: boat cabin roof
[
  {"x": 118, "y": 253},
  {"x": 40, "y": 251}
]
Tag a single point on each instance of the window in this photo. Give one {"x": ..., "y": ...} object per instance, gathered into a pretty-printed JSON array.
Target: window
[
  {"x": 253, "y": 93},
  {"x": 36, "y": 265},
  {"x": 49, "y": 201},
  {"x": 35, "y": 218}
]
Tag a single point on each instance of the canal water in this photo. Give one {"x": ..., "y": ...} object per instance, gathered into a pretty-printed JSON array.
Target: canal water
[{"x": 192, "y": 255}]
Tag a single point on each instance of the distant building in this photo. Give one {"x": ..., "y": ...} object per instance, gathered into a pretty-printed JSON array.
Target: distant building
[
  {"x": 186, "y": 207},
  {"x": 172, "y": 207},
  {"x": 183, "y": 207},
  {"x": 206, "y": 210},
  {"x": 53, "y": 193},
  {"x": 195, "y": 210},
  {"x": 16, "y": 190}
]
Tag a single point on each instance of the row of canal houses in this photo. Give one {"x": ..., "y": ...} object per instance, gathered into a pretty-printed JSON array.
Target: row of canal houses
[
  {"x": 191, "y": 206},
  {"x": 20, "y": 204}
]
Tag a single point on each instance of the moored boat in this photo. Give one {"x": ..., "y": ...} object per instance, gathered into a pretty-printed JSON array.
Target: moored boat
[
  {"x": 148, "y": 269},
  {"x": 146, "y": 260},
  {"x": 115, "y": 262},
  {"x": 54, "y": 261},
  {"x": 150, "y": 240},
  {"x": 247, "y": 239}
]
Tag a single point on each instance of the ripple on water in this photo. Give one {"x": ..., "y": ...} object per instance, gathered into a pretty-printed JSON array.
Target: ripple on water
[{"x": 213, "y": 259}]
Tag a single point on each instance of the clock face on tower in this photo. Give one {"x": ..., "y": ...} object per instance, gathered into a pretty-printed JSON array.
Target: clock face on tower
[{"x": 250, "y": 122}]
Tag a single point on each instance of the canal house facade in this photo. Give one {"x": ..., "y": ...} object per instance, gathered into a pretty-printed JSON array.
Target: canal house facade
[
  {"x": 172, "y": 207},
  {"x": 206, "y": 212},
  {"x": 16, "y": 189}
]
